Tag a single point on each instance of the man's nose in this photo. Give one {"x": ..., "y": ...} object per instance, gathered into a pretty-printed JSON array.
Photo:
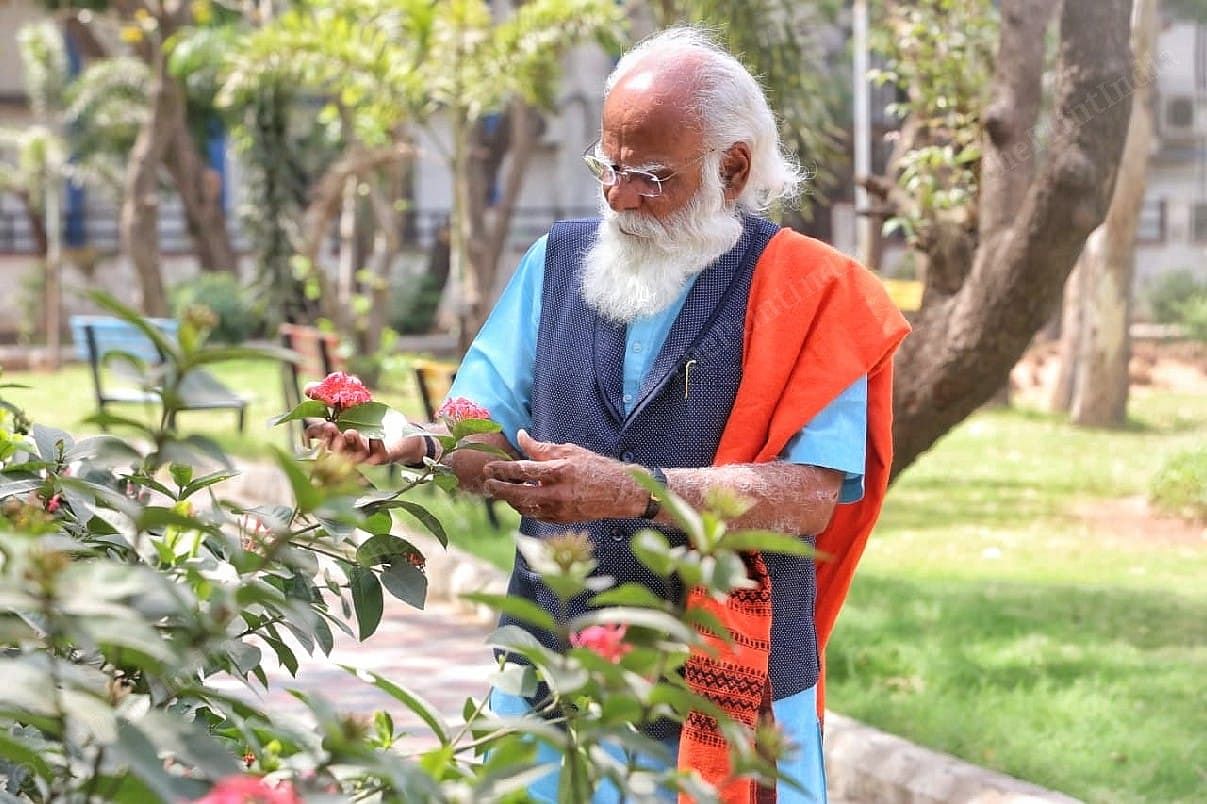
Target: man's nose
[{"x": 622, "y": 196}]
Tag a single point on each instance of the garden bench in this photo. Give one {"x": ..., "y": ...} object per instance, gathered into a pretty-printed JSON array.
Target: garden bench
[{"x": 102, "y": 340}]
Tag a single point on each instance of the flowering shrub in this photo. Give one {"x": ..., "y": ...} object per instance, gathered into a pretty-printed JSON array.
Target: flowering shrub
[
  {"x": 606, "y": 641},
  {"x": 457, "y": 409},
  {"x": 128, "y": 582},
  {"x": 339, "y": 390},
  {"x": 249, "y": 790}
]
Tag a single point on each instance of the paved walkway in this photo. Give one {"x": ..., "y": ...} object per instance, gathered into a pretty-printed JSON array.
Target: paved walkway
[{"x": 439, "y": 654}]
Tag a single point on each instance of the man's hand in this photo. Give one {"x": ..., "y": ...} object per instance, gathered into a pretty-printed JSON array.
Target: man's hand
[
  {"x": 565, "y": 483},
  {"x": 359, "y": 449}
]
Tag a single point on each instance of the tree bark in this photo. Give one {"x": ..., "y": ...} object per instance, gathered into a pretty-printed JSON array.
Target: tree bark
[
  {"x": 324, "y": 206},
  {"x": 200, "y": 191},
  {"x": 1070, "y": 332},
  {"x": 1101, "y": 388},
  {"x": 489, "y": 224},
  {"x": 965, "y": 344},
  {"x": 139, "y": 220}
]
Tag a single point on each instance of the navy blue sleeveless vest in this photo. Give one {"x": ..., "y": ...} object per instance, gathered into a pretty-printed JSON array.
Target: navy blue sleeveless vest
[{"x": 576, "y": 398}]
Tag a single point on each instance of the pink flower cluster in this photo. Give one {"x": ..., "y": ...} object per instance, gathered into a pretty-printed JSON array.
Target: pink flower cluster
[
  {"x": 605, "y": 640},
  {"x": 249, "y": 790},
  {"x": 458, "y": 408},
  {"x": 340, "y": 391}
]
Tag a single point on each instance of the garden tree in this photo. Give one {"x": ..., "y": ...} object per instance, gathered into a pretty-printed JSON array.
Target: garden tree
[
  {"x": 172, "y": 132},
  {"x": 993, "y": 276},
  {"x": 1095, "y": 347},
  {"x": 783, "y": 43},
  {"x": 87, "y": 117},
  {"x": 929, "y": 190},
  {"x": 393, "y": 67}
]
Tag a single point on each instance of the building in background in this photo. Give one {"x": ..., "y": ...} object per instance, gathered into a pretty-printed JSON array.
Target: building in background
[{"x": 1173, "y": 225}]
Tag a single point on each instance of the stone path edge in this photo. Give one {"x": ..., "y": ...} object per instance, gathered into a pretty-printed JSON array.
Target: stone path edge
[{"x": 863, "y": 764}]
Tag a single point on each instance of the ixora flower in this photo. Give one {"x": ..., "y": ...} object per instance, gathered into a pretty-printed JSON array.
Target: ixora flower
[
  {"x": 457, "y": 409},
  {"x": 340, "y": 391},
  {"x": 249, "y": 790},
  {"x": 605, "y": 640}
]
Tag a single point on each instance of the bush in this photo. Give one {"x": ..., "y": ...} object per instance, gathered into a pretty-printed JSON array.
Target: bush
[
  {"x": 238, "y": 318},
  {"x": 128, "y": 582},
  {"x": 1168, "y": 294},
  {"x": 1180, "y": 487},
  {"x": 1194, "y": 317}
]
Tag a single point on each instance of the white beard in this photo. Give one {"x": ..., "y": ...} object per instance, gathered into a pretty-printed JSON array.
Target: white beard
[{"x": 638, "y": 265}]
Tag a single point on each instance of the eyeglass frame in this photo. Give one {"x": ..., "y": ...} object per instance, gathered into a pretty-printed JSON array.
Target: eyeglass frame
[{"x": 590, "y": 155}]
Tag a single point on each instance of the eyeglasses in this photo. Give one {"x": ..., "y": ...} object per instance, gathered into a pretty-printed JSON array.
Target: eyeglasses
[{"x": 646, "y": 183}]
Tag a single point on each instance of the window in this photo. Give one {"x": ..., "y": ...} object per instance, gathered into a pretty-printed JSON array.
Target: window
[{"x": 1199, "y": 222}]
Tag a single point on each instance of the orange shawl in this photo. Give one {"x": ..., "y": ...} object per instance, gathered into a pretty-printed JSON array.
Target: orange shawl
[{"x": 809, "y": 301}]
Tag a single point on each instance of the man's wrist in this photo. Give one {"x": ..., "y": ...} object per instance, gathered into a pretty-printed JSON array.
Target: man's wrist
[
  {"x": 415, "y": 449},
  {"x": 654, "y": 504}
]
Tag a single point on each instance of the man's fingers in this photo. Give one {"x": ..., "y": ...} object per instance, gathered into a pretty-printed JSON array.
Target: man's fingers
[
  {"x": 540, "y": 450},
  {"x": 524, "y": 471},
  {"x": 324, "y": 430},
  {"x": 528, "y": 500}
]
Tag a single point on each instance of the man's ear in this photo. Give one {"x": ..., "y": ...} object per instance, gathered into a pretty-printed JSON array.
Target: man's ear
[{"x": 735, "y": 169}]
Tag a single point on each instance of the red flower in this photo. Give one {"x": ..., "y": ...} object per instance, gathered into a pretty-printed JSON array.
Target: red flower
[
  {"x": 605, "y": 640},
  {"x": 249, "y": 790},
  {"x": 53, "y": 503},
  {"x": 458, "y": 408},
  {"x": 340, "y": 391}
]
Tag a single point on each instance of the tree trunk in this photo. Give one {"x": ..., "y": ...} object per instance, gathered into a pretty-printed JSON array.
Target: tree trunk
[
  {"x": 139, "y": 221},
  {"x": 1031, "y": 230},
  {"x": 1101, "y": 388},
  {"x": 1072, "y": 308},
  {"x": 489, "y": 224},
  {"x": 200, "y": 190}
]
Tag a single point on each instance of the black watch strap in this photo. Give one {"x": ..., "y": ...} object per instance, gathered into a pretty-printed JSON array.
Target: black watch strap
[
  {"x": 430, "y": 445},
  {"x": 655, "y": 504}
]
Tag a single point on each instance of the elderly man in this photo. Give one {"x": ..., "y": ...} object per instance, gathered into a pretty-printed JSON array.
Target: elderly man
[{"x": 685, "y": 334}]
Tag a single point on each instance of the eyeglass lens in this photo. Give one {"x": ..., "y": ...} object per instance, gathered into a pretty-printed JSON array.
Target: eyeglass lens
[{"x": 645, "y": 183}]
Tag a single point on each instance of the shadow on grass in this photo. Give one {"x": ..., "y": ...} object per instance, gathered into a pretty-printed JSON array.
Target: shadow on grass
[
  {"x": 1090, "y": 690},
  {"x": 932, "y": 502}
]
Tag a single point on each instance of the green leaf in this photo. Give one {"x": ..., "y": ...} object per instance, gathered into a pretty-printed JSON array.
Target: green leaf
[
  {"x": 767, "y": 541},
  {"x": 15, "y": 752},
  {"x": 405, "y": 582},
  {"x": 309, "y": 409},
  {"x": 284, "y": 654},
  {"x": 515, "y": 679},
  {"x": 206, "y": 481},
  {"x": 221, "y": 354},
  {"x": 657, "y": 621},
  {"x": 425, "y": 517},
  {"x": 365, "y": 419},
  {"x": 307, "y": 495},
  {"x": 416, "y": 703},
  {"x": 468, "y": 427},
  {"x": 154, "y": 516},
  {"x": 109, "y": 420},
  {"x": 181, "y": 473},
  {"x": 629, "y": 594},
  {"x": 520, "y": 608},
  {"x": 162, "y": 342},
  {"x": 381, "y": 548},
  {"x": 378, "y": 523},
  {"x": 366, "y": 598}
]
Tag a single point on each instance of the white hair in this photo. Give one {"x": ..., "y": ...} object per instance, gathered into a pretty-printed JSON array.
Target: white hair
[{"x": 731, "y": 107}]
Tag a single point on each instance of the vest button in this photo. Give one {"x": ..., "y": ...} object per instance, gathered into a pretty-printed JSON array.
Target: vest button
[
  {"x": 617, "y": 535},
  {"x": 627, "y": 456}
]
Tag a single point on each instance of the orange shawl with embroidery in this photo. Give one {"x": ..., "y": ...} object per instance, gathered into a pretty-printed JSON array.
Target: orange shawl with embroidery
[{"x": 816, "y": 321}]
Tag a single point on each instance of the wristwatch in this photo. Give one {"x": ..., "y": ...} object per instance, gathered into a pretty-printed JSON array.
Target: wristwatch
[{"x": 655, "y": 504}]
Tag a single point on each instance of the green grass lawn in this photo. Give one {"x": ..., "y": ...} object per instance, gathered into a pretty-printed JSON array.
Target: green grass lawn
[
  {"x": 990, "y": 621},
  {"x": 64, "y": 398}
]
